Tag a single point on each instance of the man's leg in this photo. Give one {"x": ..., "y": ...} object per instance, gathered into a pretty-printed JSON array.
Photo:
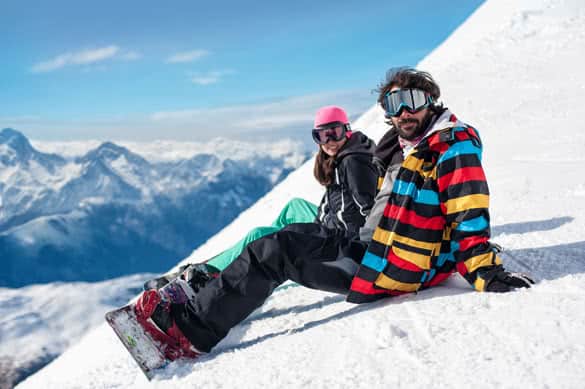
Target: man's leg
[{"x": 309, "y": 254}]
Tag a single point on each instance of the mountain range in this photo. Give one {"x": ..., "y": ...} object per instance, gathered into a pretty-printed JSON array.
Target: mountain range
[{"x": 111, "y": 212}]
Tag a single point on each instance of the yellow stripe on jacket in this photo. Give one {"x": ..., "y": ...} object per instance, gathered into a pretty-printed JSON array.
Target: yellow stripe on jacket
[{"x": 465, "y": 203}]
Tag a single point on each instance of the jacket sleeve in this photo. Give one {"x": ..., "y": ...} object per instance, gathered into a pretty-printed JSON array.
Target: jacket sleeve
[
  {"x": 388, "y": 158},
  {"x": 373, "y": 219},
  {"x": 361, "y": 178},
  {"x": 464, "y": 199},
  {"x": 322, "y": 210}
]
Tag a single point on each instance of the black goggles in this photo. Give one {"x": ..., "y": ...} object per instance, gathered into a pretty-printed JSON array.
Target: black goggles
[
  {"x": 334, "y": 132},
  {"x": 413, "y": 100}
]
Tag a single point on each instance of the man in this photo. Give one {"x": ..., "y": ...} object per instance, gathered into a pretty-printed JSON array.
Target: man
[
  {"x": 436, "y": 220},
  {"x": 430, "y": 219}
]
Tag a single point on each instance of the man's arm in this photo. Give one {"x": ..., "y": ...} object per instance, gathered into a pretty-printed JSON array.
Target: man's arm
[
  {"x": 388, "y": 159},
  {"x": 464, "y": 196},
  {"x": 380, "y": 202}
]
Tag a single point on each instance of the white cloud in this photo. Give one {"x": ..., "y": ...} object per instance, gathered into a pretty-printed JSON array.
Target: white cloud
[
  {"x": 208, "y": 78},
  {"x": 83, "y": 57},
  {"x": 278, "y": 114},
  {"x": 131, "y": 56},
  {"x": 187, "y": 56},
  {"x": 278, "y": 117}
]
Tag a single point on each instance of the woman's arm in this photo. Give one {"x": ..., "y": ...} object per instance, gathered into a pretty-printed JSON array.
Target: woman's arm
[{"x": 361, "y": 179}]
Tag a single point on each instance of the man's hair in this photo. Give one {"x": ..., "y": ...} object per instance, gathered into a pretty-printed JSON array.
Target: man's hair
[{"x": 406, "y": 77}]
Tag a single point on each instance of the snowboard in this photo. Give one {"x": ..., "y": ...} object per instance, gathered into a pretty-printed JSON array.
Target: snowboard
[
  {"x": 145, "y": 350},
  {"x": 148, "y": 352}
]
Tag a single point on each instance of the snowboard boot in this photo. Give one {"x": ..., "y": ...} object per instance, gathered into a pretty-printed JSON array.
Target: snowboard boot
[
  {"x": 185, "y": 272},
  {"x": 198, "y": 274},
  {"x": 153, "y": 311}
]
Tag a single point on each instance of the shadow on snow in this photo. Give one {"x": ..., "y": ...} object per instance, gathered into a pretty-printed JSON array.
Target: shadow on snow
[{"x": 533, "y": 226}]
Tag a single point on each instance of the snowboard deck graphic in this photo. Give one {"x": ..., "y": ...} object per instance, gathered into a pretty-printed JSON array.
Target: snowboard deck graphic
[{"x": 139, "y": 343}]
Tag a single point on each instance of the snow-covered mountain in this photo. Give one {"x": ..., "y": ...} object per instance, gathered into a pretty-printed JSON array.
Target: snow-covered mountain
[
  {"x": 513, "y": 70},
  {"x": 112, "y": 212}
]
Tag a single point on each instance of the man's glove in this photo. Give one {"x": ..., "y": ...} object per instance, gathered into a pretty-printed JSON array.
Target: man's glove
[{"x": 499, "y": 280}]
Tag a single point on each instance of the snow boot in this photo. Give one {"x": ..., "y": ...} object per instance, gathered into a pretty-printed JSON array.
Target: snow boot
[
  {"x": 186, "y": 272},
  {"x": 153, "y": 313}
]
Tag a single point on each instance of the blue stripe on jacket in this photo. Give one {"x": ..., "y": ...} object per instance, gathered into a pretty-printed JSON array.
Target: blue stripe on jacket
[
  {"x": 374, "y": 262},
  {"x": 477, "y": 224},
  {"x": 460, "y": 148},
  {"x": 423, "y": 196}
]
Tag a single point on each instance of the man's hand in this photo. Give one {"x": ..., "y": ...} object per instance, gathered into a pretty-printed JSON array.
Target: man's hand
[{"x": 499, "y": 280}]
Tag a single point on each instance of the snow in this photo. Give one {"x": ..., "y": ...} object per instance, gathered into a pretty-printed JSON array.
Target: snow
[
  {"x": 514, "y": 70},
  {"x": 55, "y": 315}
]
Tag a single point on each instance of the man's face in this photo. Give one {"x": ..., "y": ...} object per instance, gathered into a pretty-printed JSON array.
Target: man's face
[{"x": 410, "y": 125}]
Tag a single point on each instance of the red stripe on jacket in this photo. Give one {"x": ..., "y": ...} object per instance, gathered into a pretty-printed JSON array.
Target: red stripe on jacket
[
  {"x": 401, "y": 263},
  {"x": 460, "y": 176},
  {"x": 472, "y": 241},
  {"x": 366, "y": 287},
  {"x": 399, "y": 213}
]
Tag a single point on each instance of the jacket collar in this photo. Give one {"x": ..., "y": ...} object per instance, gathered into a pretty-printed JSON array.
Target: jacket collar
[{"x": 446, "y": 120}]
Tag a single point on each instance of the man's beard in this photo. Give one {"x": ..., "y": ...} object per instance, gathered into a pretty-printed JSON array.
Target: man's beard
[{"x": 421, "y": 127}]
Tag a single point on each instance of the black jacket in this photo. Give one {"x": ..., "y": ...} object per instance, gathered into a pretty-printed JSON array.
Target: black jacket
[{"x": 347, "y": 201}]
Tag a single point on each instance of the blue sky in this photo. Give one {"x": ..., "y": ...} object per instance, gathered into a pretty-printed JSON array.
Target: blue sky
[{"x": 189, "y": 70}]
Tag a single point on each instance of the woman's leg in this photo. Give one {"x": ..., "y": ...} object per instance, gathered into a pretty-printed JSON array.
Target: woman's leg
[
  {"x": 295, "y": 211},
  {"x": 223, "y": 260},
  {"x": 309, "y": 254}
]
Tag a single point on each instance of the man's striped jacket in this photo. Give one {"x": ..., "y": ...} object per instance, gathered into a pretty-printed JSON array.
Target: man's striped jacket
[{"x": 436, "y": 220}]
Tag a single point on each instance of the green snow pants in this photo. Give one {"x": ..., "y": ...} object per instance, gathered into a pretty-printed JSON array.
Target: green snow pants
[{"x": 295, "y": 211}]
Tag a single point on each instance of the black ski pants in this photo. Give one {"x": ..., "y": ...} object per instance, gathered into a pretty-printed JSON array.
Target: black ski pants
[{"x": 307, "y": 253}]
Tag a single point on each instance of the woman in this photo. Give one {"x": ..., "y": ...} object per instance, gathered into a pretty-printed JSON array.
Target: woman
[{"x": 343, "y": 165}]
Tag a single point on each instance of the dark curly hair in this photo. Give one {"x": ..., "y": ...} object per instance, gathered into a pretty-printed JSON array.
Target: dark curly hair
[{"x": 406, "y": 77}]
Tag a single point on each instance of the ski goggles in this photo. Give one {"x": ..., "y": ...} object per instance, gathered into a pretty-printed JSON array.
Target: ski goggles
[
  {"x": 334, "y": 132},
  {"x": 413, "y": 100}
]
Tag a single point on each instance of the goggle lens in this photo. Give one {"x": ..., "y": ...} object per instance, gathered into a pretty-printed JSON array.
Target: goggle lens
[
  {"x": 413, "y": 100},
  {"x": 324, "y": 135}
]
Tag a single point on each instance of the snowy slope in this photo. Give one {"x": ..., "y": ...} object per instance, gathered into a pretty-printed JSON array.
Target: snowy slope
[{"x": 514, "y": 70}]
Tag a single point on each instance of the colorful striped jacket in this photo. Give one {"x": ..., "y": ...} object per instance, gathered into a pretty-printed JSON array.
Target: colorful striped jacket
[{"x": 436, "y": 220}]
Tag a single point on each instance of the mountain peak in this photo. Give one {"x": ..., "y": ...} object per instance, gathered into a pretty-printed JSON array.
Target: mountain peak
[
  {"x": 112, "y": 146},
  {"x": 19, "y": 148},
  {"x": 109, "y": 151},
  {"x": 9, "y": 132},
  {"x": 15, "y": 140}
]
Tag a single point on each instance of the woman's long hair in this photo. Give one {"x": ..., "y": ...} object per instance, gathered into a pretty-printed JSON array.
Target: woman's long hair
[{"x": 324, "y": 168}]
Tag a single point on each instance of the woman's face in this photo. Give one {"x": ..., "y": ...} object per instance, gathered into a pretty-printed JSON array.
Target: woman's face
[{"x": 331, "y": 148}]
